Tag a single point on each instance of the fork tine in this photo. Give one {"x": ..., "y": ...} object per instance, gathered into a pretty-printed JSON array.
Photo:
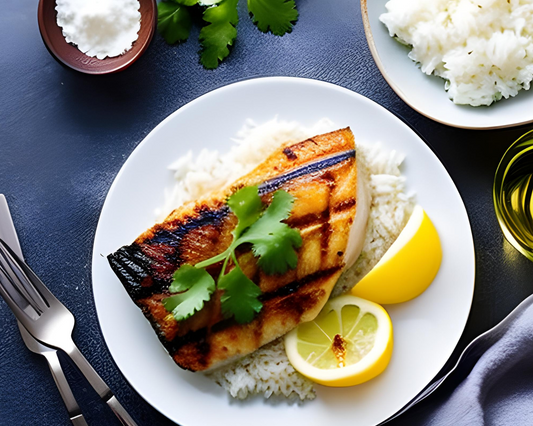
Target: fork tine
[
  {"x": 19, "y": 312},
  {"x": 14, "y": 290},
  {"x": 19, "y": 278},
  {"x": 13, "y": 284},
  {"x": 35, "y": 283}
]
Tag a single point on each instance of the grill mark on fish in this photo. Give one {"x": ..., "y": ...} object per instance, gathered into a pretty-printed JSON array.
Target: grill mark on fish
[
  {"x": 314, "y": 219},
  {"x": 307, "y": 169},
  {"x": 296, "y": 285},
  {"x": 325, "y": 232},
  {"x": 206, "y": 216},
  {"x": 344, "y": 205},
  {"x": 308, "y": 220}
]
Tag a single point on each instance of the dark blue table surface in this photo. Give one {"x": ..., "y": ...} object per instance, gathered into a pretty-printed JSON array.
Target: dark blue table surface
[{"x": 64, "y": 137}]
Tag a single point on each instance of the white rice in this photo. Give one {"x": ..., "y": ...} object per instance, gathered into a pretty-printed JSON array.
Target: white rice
[
  {"x": 212, "y": 170},
  {"x": 483, "y": 48},
  {"x": 267, "y": 371}
]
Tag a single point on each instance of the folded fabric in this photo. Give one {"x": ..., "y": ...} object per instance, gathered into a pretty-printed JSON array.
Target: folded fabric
[{"x": 499, "y": 389}]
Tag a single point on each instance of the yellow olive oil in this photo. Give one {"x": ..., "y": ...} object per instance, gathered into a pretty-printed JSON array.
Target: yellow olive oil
[{"x": 513, "y": 194}]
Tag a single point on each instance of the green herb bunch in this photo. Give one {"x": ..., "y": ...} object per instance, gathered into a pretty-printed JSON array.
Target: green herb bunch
[
  {"x": 220, "y": 18},
  {"x": 272, "y": 241}
]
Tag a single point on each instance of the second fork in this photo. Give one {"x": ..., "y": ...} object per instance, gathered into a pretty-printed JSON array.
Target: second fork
[{"x": 48, "y": 320}]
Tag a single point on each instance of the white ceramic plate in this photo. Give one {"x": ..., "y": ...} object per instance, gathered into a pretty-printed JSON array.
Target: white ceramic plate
[
  {"x": 426, "y": 94},
  {"x": 426, "y": 329}
]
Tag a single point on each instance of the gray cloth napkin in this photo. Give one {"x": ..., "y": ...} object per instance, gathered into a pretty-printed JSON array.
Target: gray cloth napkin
[{"x": 499, "y": 389}]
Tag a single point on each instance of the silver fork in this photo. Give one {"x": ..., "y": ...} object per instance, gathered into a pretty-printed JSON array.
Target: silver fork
[
  {"x": 48, "y": 320},
  {"x": 9, "y": 234},
  {"x": 76, "y": 417}
]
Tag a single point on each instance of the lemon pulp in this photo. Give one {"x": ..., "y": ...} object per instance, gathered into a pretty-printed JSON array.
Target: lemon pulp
[
  {"x": 408, "y": 267},
  {"x": 349, "y": 343}
]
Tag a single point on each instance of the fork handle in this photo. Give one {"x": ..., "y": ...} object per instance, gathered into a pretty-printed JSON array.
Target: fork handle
[
  {"x": 99, "y": 385},
  {"x": 74, "y": 412},
  {"x": 78, "y": 421}
]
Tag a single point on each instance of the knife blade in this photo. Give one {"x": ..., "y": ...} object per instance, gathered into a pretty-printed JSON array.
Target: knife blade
[
  {"x": 7, "y": 228},
  {"x": 9, "y": 234}
]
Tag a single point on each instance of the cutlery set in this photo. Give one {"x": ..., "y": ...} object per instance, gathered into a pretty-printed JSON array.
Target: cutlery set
[{"x": 45, "y": 323}]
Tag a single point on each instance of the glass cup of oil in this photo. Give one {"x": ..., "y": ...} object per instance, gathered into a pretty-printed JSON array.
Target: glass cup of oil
[{"x": 513, "y": 194}]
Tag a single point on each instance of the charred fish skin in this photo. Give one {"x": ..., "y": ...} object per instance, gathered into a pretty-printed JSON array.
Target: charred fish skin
[
  {"x": 146, "y": 266},
  {"x": 321, "y": 173}
]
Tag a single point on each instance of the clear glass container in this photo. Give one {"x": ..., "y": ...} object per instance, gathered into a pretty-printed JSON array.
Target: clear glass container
[{"x": 513, "y": 194}]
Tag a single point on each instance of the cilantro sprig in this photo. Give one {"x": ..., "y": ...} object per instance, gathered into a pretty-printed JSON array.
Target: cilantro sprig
[
  {"x": 277, "y": 16},
  {"x": 219, "y": 34},
  {"x": 174, "y": 21},
  {"x": 220, "y": 18},
  {"x": 273, "y": 242}
]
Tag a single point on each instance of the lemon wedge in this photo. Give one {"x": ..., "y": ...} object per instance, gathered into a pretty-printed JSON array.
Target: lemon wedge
[
  {"x": 348, "y": 343},
  {"x": 409, "y": 265}
]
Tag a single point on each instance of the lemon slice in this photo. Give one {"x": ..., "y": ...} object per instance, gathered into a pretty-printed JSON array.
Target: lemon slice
[
  {"x": 409, "y": 265},
  {"x": 348, "y": 343}
]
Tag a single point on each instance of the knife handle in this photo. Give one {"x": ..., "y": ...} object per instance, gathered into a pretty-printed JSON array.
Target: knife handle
[
  {"x": 99, "y": 385},
  {"x": 120, "y": 412}
]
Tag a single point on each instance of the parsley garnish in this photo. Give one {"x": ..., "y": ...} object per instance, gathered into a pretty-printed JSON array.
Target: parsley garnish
[
  {"x": 277, "y": 16},
  {"x": 272, "y": 241},
  {"x": 220, "y": 17}
]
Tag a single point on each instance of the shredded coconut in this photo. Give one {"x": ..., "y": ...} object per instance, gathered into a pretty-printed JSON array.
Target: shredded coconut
[{"x": 100, "y": 28}]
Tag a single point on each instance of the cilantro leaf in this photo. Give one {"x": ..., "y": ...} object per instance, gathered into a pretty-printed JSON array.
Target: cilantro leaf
[
  {"x": 277, "y": 16},
  {"x": 185, "y": 277},
  {"x": 173, "y": 21},
  {"x": 197, "y": 286},
  {"x": 219, "y": 34},
  {"x": 273, "y": 241},
  {"x": 247, "y": 206},
  {"x": 240, "y": 297}
]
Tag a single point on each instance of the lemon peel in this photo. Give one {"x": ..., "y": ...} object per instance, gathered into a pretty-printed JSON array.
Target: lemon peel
[{"x": 408, "y": 267}]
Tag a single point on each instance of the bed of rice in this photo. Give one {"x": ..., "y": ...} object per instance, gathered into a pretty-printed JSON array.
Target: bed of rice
[
  {"x": 483, "y": 48},
  {"x": 267, "y": 371}
]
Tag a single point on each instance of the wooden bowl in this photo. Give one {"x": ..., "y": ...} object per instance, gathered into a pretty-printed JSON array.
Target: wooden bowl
[{"x": 72, "y": 57}]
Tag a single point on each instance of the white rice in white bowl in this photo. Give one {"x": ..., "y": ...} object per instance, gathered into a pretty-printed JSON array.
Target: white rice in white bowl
[
  {"x": 482, "y": 48},
  {"x": 267, "y": 371}
]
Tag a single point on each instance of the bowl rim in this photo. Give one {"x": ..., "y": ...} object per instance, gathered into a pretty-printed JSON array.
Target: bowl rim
[{"x": 398, "y": 91}]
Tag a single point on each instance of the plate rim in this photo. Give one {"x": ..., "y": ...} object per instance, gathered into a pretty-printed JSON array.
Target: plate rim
[
  {"x": 252, "y": 80},
  {"x": 399, "y": 92}
]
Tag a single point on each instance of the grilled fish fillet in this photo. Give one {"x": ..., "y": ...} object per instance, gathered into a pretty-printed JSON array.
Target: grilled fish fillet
[{"x": 321, "y": 173}]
